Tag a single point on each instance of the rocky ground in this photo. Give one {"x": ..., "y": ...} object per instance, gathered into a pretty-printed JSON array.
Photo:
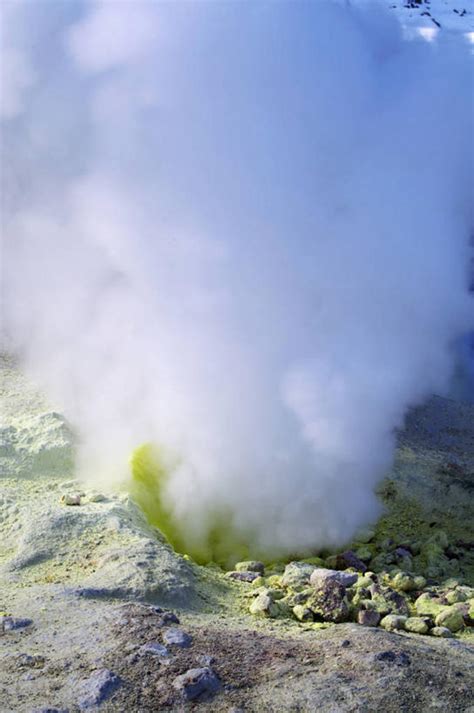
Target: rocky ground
[{"x": 97, "y": 611}]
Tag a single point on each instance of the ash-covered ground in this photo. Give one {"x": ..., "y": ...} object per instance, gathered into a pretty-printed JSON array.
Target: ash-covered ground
[{"x": 99, "y": 612}]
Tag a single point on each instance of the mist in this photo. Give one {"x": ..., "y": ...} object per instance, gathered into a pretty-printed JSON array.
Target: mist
[{"x": 241, "y": 232}]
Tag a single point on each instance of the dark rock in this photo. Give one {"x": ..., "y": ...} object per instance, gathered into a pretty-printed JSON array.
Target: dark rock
[
  {"x": 243, "y": 576},
  {"x": 368, "y": 617},
  {"x": 397, "y": 603},
  {"x": 177, "y": 637},
  {"x": 250, "y": 566},
  {"x": 98, "y": 688},
  {"x": 154, "y": 649},
  {"x": 31, "y": 661},
  {"x": 402, "y": 552},
  {"x": 168, "y": 618},
  {"x": 10, "y": 623},
  {"x": 343, "y": 560},
  {"x": 196, "y": 682},
  {"x": 329, "y": 602},
  {"x": 399, "y": 659}
]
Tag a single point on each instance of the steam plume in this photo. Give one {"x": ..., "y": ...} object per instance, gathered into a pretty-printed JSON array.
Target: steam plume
[{"x": 239, "y": 231}]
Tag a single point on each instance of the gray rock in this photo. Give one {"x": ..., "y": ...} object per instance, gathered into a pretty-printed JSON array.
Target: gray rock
[
  {"x": 393, "y": 657},
  {"x": 346, "y": 559},
  {"x": 196, "y": 682},
  {"x": 71, "y": 499},
  {"x": 99, "y": 687},
  {"x": 297, "y": 574},
  {"x": 31, "y": 661},
  {"x": 264, "y": 605},
  {"x": 177, "y": 637},
  {"x": 368, "y": 617},
  {"x": 10, "y": 623},
  {"x": 250, "y": 566},
  {"x": 243, "y": 576},
  {"x": 320, "y": 576},
  {"x": 441, "y": 631},
  {"x": 329, "y": 602},
  {"x": 154, "y": 648}
]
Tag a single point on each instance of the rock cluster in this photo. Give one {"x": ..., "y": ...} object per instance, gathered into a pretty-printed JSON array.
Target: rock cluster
[{"x": 318, "y": 595}]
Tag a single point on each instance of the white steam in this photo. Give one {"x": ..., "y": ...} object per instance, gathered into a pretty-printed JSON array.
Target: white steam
[{"x": 241, "y": 231}]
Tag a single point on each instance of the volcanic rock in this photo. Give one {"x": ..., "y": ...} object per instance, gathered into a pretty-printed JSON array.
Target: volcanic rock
[
  {"x": 196, "y": 682},
  {"x": 417, "y": 625},
  {"x": 98, "y": 688},
  {"x": 320, "y": 576},
  {"x": 451, "y": 618},
  {"x": 368, "y": 617},
  {"x": 297, "y": 574},
  {"x": 250, "y": 566},
  {"x": 329, "y": 601},
  {"x": 177, "y": 637},
  {"x": 392, "y": 622}
]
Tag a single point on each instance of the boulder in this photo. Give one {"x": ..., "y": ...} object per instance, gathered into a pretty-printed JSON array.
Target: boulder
[
  {"x": 393, "y": 622},
  {"x": 441, "y": 631},
  {"x": 197, "y": 681},
  {"x": 320, "y": 576},
  {"x": 417, "y": 625},
  {"x": 368, "y": 617},
  {"x": 177, "y": 637},
  {"x": 302, "y": 613},
  {"x": 344, "y": 560},
  {"x": 264, "y": 606},
  {"x": 297, "y": 574},
  {"x": 329, "y": 601},
  {"x": 451, "y": 618},
  {"x": 250, "y": 566},
  {"x": 98, "y": 688}
]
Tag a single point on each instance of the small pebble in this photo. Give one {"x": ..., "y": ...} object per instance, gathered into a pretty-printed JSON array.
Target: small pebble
[{"x": 71, "y": 499}]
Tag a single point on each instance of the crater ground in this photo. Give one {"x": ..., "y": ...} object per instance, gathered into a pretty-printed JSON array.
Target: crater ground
[{"x": 85, "y": 589}]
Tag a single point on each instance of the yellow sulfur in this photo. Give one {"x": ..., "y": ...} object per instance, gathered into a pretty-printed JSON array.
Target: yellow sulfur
[{"x": 221, "y": 543}]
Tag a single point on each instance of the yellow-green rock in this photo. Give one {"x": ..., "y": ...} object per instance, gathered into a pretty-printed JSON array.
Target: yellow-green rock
[
  {"x": 264, "y": 606},
  {"x": 302, "y": 613},
  {"x": 441, "y": 631},
  {"x": 393, "y": 622},
  {"x": 454, "y": 597},
  {"x": 250, "y": 566},
  {"x": 451, "y": 618},
  {"x": 402, "y": 582},
  {"x": 426, "y": 605},
  {"x": 417, "y": 625}
]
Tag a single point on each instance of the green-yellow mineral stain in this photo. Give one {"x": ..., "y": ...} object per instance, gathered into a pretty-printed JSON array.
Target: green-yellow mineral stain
[{"x": 221, "y": 543}]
